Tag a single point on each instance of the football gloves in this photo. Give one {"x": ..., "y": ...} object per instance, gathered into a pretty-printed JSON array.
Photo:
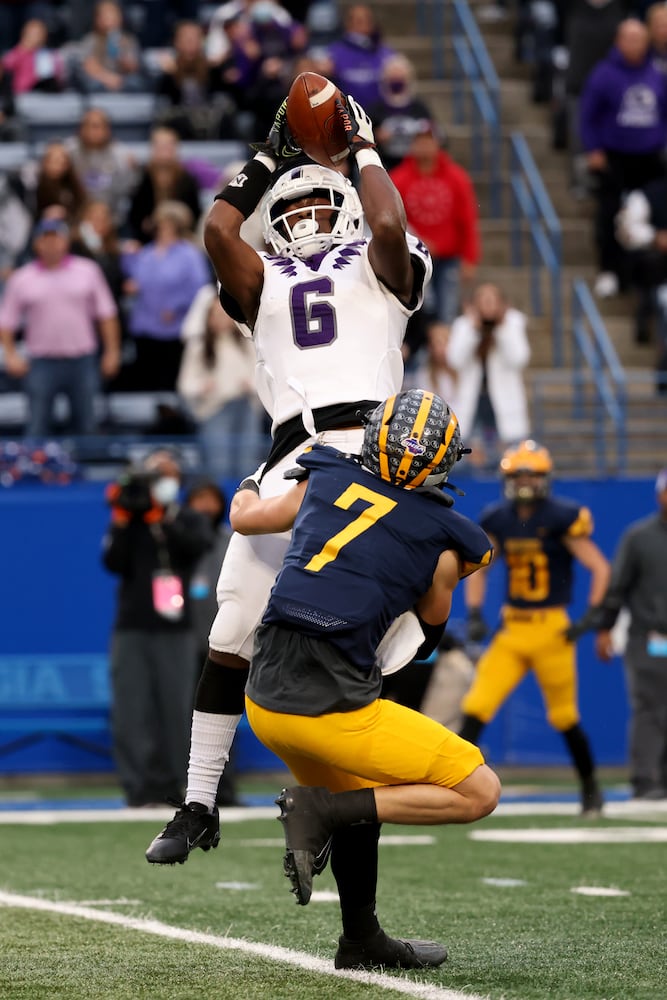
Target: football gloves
[
  {"x": 477, "y": 629},
  {"x": 356, "y": 124},
  {"x": 280, "y": 143},
  {"x": 596, "y": 618}
]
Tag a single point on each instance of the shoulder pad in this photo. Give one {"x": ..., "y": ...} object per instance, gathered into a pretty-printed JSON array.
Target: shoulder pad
[{"x": 298, "y": 473}]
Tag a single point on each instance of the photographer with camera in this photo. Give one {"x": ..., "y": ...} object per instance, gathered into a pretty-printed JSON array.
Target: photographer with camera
[
  {"x": 488, "y": 350},
  {"x": 153, "y": 545}
]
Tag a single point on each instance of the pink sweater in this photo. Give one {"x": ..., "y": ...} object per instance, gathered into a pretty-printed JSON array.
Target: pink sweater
[{"x": 29, "y": 66}]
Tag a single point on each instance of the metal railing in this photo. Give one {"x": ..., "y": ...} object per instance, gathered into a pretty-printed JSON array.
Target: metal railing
[
  {"x": 533, "y": 217},
  {"x": 593, "y": 351},
  {"x": 475, "y": 85}
]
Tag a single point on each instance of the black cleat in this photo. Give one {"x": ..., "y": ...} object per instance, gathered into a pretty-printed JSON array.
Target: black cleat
[
  {"x": 192, "y": 826},
  {"x": 306, "y": 817},
  {"x": 591, "y": 800},
  {"x": 383, "y": 952}
]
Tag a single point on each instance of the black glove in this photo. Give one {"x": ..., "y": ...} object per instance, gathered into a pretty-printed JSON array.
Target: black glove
[
  {"x": 594, "y": 619},
  {"x": 280, "y": 143},
  {"x": 357, "y": 125},
  {"x": 477, "y": 627}
]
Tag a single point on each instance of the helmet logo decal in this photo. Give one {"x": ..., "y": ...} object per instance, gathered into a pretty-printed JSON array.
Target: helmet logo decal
[{"x": 413, "y": 445}]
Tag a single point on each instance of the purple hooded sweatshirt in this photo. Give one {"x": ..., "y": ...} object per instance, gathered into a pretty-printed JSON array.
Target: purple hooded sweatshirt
[
  {"x": 358, "y": 62},
  {"x": 623, "y": 108}
]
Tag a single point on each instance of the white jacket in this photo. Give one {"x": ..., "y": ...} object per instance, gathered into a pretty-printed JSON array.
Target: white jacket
[
  {"x": 505, "y": 362},
  {"x": 206, "y": 390}
]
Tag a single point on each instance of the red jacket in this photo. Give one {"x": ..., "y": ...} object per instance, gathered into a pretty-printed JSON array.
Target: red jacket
[{"x": 440, "y": 206}]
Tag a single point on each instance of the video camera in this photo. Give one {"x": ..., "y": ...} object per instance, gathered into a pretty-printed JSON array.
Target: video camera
[{"x": 132, "y": 491}]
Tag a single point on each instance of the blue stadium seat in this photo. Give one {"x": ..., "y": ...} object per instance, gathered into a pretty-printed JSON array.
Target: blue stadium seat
[
  {"x": 49, "y": 116},
  {"x": 131, "y": 115},
  {"x": 13, "y": 155}
]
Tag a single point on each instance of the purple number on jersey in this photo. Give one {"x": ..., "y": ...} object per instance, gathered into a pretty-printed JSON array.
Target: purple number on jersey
[{"x": 313, "y": 318}]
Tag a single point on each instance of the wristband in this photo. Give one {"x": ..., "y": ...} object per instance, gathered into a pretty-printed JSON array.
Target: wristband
[
  {"x": 245, "y": 191},
  {"x": 368, "y": 158}
]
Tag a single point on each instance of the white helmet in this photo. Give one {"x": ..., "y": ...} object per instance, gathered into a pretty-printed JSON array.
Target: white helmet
[{"x": 288, "y": 232}]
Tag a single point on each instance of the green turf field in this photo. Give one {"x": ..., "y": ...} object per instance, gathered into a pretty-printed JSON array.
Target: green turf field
[{"x": 82, "y": 915}]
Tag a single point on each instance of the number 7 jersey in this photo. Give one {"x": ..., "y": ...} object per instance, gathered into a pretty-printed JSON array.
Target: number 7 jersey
[{"x": 328, "y": 331}]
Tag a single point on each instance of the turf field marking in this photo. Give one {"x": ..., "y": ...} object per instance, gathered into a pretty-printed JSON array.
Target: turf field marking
[
  {"x": 598, "y": 890},
  {"x": 241, "y": 886},
  {"x": 300, "y": 959},
  {"x": 418, "y": 840},
  {"x": 580, "y": 835},
  {"x": 504, "y": 883}
]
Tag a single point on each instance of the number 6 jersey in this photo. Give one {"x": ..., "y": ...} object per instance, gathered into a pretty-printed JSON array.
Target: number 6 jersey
[{"x": 328, "y": 331}]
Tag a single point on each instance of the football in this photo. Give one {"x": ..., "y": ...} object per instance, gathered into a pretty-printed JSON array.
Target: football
[{"x": 313, "y": 119}]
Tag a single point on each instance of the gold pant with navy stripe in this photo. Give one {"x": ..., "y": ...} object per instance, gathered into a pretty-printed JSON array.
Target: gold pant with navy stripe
[
  {"x": 528, "y": 640},
  {"x": 381, "y": 744}
]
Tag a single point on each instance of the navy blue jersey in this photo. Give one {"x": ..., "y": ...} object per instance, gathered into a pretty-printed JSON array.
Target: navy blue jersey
[
  {"x": 362, "y": 552},
  {"x": 539, "y": 566}
]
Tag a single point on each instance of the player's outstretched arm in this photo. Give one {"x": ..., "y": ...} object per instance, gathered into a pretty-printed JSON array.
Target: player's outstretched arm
[
  {"x": 383, "y": 208},
  {"x": 250, "y": 515},
  {"x": 238, "y": 266}
]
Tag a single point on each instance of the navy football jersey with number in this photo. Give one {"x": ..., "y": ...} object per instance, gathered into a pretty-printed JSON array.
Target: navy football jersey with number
[
  {"x": 362, "y": 552},
  {"x": 539, "y": 566}
]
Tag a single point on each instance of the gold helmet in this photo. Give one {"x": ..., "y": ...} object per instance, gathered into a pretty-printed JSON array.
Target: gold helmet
[{"x": 526, "y": 459}]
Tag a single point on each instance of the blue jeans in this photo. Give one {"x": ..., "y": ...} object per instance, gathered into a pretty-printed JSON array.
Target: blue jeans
[
  {"x": 75, "y": 378},
  {"x": 443, "y": 295},
  {"x": 231, "y": 440}
]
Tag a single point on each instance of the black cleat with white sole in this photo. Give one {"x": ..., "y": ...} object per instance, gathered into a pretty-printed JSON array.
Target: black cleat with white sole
[
  {"x": 192, "y": 826},
  {"x": 383, "y": 952},
  {"x": 308, "y": 826}
]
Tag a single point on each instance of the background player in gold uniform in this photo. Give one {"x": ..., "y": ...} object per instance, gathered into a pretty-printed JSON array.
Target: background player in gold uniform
[{"x": 539, "y": 537}]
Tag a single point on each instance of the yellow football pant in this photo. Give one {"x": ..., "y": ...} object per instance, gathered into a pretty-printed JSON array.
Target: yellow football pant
[
  {"x": 528, "y": 640},
  {"x": 381, "y": 744}
]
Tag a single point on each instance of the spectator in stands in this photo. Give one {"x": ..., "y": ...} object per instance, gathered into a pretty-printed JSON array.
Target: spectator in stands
[
  {"x": 163, "y": 278},
  {"x": 54, "y": 181},
  {"x": 623, "y": 131},
  {"x": 264, "y": 42},
  {"x": 59, "y": 300},
  {"x": 441, "y": 209},
  {"x": 189, "y": 91},
  {"x": 107, "y": 168},
  {"x": 398, "y": 115},
  {"x": 641, "y": 228},
  {"x": 153, "y": 545},
  {"x": 15, "y": 227},
  {"x": 96, "y": 237},
  {"x": 590, "y": 29},
  {"x": 488, "y": 350},
  {"x": 217, "y": 381},
  {"x": 32, "y": 64},
  {"x": 158, "y": 18},
  {"x": 163, "y": 178},
  {"x": 11, "y": 128},
  {"x": 434, "y": 371},
  {"x": 15, "y": 13},
  {"x": 656, "y": 22},
  {"x": 109, "y": 58},
  {"x": 357, "y": 58},
  {"x": 207, "y": 498}
]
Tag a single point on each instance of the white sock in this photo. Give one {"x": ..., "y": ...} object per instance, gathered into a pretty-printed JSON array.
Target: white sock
[{"x": 210, "y": 743}]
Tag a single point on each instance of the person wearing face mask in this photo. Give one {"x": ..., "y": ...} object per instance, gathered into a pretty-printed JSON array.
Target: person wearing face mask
[
  {"x": 153, "y": 545},
  {"x": 399, "y": 115}
]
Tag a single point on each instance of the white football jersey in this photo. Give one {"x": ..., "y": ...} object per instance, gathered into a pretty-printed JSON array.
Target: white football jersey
[{"x": 327, "y": 331}]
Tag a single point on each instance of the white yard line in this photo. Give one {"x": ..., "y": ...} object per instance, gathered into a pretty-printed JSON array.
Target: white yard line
[{"x": 421, "y": 991}]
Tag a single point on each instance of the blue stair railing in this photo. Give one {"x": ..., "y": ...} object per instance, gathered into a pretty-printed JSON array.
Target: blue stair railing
[
  {"x": 533, "y": 217},
  {"x": 593, "y": 354}
]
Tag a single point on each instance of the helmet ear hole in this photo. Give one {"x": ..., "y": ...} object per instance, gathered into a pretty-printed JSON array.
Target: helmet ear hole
[{"x": 412, "y": 439}]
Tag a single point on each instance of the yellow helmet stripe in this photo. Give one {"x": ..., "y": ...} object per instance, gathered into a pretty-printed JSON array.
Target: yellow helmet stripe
[
  {"x": 439, "y": 455},
  {"x": 382, "y": 437},
  {"x": 417, "y": 428}
]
